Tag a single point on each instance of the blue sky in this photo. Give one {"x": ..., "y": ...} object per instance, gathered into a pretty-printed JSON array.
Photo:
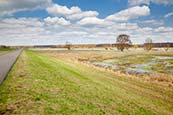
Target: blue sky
[{"x": 30, "y": 22}]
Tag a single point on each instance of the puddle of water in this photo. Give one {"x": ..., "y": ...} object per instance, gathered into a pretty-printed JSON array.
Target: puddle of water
[
  {"x": 163, "y": 57},
  {"x": 148, "y": 67},
  {"x": 138, "y": 71},
  {"x": 109, "y": 61},
  {"x": 102, "y": 64},
  {"x": 141, "y": 68}
]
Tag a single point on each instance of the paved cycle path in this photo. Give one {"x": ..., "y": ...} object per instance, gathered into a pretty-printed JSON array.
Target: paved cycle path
[{"x": 6, "y": 63}]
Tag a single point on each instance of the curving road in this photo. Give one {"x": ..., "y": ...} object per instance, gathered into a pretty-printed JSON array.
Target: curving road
[{"x": 6, "y": 63}]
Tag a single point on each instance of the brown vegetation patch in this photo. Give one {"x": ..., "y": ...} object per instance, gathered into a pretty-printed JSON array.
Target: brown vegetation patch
[{"x": 12, "y": 108}]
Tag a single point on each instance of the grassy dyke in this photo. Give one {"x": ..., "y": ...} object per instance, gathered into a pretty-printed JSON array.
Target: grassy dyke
[{"x": 40, "y": 84}]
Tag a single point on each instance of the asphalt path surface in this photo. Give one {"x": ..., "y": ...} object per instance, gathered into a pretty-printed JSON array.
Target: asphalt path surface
[{"x": 6, "y": 63}]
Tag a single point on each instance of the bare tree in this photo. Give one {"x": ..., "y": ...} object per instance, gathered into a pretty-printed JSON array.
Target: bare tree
[
  {"x": 68, "y": 45},
  {"x": 123, "y": 42},
  {"x": 167, "y": 47},
  {"x": 148, "y": 45}
]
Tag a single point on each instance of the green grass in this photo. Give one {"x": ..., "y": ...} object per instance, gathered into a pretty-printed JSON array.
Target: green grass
[
  {"x": 40, "y": 84},
  {"x": 5, "y": 50}
]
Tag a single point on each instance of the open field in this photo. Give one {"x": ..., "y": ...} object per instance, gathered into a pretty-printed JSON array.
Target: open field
[
  {"x": 100, "y": 53},
  {"x": 58, "y": 82}
]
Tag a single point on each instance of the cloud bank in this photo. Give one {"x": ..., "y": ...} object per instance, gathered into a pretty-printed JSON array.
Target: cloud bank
[{"x": 76, "y": 26}]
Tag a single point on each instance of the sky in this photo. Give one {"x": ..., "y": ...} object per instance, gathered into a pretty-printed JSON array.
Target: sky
[{"x": 53, "y": 22}]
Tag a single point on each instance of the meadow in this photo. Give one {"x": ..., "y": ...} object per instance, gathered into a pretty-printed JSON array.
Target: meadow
[{"x": 63, "y": 82}]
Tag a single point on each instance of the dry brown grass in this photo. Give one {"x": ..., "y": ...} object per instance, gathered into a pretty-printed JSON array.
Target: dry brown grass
[{"x": 165, "y": 80}]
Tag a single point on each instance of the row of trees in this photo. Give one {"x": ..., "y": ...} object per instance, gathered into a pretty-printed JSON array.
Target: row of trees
[{"x": 123, "y": 42}]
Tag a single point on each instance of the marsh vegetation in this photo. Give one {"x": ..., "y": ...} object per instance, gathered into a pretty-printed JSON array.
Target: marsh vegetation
[{"x": 139, "y": 64}]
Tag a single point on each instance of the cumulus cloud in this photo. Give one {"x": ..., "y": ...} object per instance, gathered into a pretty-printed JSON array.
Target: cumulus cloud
[
  {"x": 8, "y": 7},
  {"x": 90, "y": 21},
  {"x": 130, "y": 13},
  {"x": 87, "y": 28},
  {"x": 168, "y": 15},
  {"x": 32, "y": 31},
  {"x": 21, "y": 26},
  {"x": 153, "y": 22},
  {"x": 138, "y": 2},
  {"x": 57, "y": 21},
  {"x": 70, "y": 13},
  {"x": 21, "y": 21},
  {"x": 164, "y": 29},
  {"x": 19, "y": 31},
  {"x": 165, "y": 2},
  {"x": 127, "y": 26}
]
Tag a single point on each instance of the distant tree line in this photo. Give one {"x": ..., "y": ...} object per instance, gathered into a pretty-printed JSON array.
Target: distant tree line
[
  {"x": 123, "y": 42},
  {"x": 4, "y": 46}
]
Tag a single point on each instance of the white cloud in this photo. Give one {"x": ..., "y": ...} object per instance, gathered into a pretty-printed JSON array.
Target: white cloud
[
  {"x": 147, "y": 29},
  {"x": 57, "y": 21},
  {"x": 138, "y": 2},
  {"x": 168, "y": 15},
  {"x": 153, "y": 22},
  {"x": 59, "y": 10},
  {"x": 21, "y": 26},
  {"x": 130, "y": 13},
  {"x": 32, "y": 31},
  {"x": 83, "y": 14},
  {"x": 70, "y": 13},
  {"x": 22, "y": 22},
  {"x": 164, "y": 30},
  {"x": 127, "y": 26},
  {"x": 91, "y": 21},
  {"x": 87, "y": 29},
  {"x": 8, "y": 7},
  {"x": 165, "y": 2}
]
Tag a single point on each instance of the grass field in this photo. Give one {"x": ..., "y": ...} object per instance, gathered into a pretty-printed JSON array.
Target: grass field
[
  {"x": 5, "y": 50},
  {"x": 53, "y": 83}
]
